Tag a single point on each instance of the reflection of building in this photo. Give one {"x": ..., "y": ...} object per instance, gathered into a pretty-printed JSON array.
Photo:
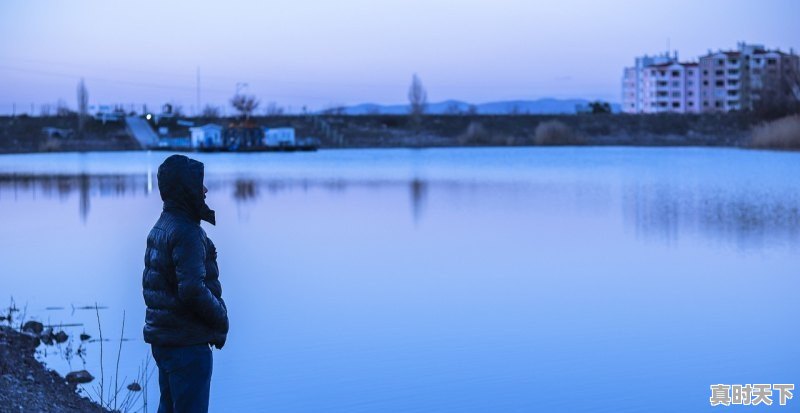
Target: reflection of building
[
  {"x": 206, "y": 136},
  {"x": 721, "y": 81},
  {"x": 279, "y": 136}
]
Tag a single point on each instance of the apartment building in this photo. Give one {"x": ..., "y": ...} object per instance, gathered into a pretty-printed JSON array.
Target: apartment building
[
  {"x": 739, "y": 79},
  {"x": 633, "y": 90},
  {"x": 720, "y": 81}
]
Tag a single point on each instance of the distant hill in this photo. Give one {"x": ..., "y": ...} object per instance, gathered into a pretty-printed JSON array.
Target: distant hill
[{"x": 547, "y": 106}]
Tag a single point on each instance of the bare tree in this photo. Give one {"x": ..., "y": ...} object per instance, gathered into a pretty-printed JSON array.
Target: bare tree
[
  {"x": 83, "y": 104},
  {"x": 62, "y": 109},
  {"x": 273, "y": 109},
  {"x": 245, "y": 104},
  {"x": 210, "y": 111},
  {"x": 45, "y": 110},
  {"x": 177, "y": 110},
  {"x": 417, "y": 98}
]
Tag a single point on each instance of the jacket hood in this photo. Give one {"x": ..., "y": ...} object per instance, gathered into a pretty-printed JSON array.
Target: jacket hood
[{"x": 180, "y": 182}]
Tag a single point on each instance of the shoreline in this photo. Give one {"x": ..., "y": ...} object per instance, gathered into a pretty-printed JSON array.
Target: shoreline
[
  {"x": 26, "y": 134},
  {"x": 28, "y": 385}
]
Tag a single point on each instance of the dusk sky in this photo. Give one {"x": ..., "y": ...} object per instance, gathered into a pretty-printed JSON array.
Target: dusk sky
[{"x": 322, "y": 52}]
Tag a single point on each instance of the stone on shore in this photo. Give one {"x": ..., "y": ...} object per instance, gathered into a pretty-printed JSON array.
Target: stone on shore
[{"x": 79, "y": 377}]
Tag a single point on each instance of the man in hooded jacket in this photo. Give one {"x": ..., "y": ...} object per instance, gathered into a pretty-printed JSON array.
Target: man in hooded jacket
[{"x": 185, "y": 311}]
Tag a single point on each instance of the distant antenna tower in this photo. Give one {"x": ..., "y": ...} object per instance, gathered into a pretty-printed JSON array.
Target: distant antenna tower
[{"x": 198, "y": 92}]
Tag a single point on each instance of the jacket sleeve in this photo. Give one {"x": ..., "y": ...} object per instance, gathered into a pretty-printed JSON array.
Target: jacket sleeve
[{"x": 188, "y": 255}]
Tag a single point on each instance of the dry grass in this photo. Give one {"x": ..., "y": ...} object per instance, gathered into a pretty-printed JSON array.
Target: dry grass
[
  {"x": 553, "y": 132},
  {"x": 475, "y": 134},
  {"x": 783, "y": 133}
]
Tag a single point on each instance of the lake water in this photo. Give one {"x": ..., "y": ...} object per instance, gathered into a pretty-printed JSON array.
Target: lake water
[{"x": 438, "y": 280}]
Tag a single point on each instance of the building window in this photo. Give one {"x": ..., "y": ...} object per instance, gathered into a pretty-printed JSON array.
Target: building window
[
  {"x": 705, "y": 103},
  {"x": 676, "y": 73},
  {"x": 691, "y": 104},
  {"x": 718, "y": 104},
  {"x": 771, "y": 61},
  {"x": 676, "y": 84},
  {"x": 757, "y": 61},
  {"x": 676, "y": 94},
  {"x": 720, "y": 62},
  {"x": 705, "y": 83},
  {"x": 720, "y": 83},
  {"x": 705, "y": 72},
  {"x": 720, "y": 73},
  {"x": 733, "y": 61},
  {"x": 690, "y": 72},
  {"x": 676, "y": 104},
  {"x": 733, "y": 93},
  {"x": 733, "y": 82},
  {"x": 690, "y": 93},
  {"x": 689, "y": 83},
  {"x": 733, "y": 71}
]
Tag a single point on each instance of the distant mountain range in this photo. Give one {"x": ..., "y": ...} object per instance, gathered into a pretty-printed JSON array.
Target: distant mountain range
[{"x": 545, "y": 106}]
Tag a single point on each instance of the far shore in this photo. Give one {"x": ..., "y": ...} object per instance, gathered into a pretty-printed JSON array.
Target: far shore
[{"x": 24, "y": 134}]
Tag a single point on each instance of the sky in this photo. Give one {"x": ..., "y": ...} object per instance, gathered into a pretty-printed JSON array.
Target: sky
[{"x": 322, "y": 53}]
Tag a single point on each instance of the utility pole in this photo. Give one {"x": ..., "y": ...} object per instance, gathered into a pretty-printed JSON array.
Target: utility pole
[{"x": 197, "y": 113}]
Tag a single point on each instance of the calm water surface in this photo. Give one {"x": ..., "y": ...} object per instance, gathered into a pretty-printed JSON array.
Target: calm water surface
[{"x": 447, "y": 280}]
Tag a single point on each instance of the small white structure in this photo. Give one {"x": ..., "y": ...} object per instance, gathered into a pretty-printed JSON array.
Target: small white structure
[
  {"x": 107, "y": 113},
  {"x": 207, "y": 136},
  {"x": 276, "y": 137}
]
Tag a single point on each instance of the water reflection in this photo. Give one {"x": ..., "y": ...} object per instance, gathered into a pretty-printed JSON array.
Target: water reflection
[
  {"x": 752, "y": 219},
  {"x": 659, "y": 211},
  {"x": 419, "y": 192}
]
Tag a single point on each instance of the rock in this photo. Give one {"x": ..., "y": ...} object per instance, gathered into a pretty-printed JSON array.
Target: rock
[
  {"x": 79, "y": 377},
  {"x": 61, "y": 337},
  {"x": 134, "y": 387},
  {"x": 47, "y": 336},
  {"x": 34, "y": 327},
  {"x": 85, "y": 336},
  {"x": 28, "y": 340}
]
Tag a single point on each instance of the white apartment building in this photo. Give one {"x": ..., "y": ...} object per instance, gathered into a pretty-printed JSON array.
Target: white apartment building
[
  {"x": 720, "y": 81},
  {"x": 633, "y": 81},
  {"x": 671, "y": 87}
]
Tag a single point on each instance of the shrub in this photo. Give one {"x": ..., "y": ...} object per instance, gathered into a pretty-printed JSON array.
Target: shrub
[
  {"x": 553, "y": 132},
  {"x": 783, "y": 133},
  {"x": 475, "y": 134}
]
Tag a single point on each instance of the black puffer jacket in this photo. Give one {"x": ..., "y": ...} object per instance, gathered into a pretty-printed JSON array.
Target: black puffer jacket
[{"x": 181, "y": 279}]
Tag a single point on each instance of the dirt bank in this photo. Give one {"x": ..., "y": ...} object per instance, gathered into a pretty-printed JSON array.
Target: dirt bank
[{"x": 27, "y": 386}]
